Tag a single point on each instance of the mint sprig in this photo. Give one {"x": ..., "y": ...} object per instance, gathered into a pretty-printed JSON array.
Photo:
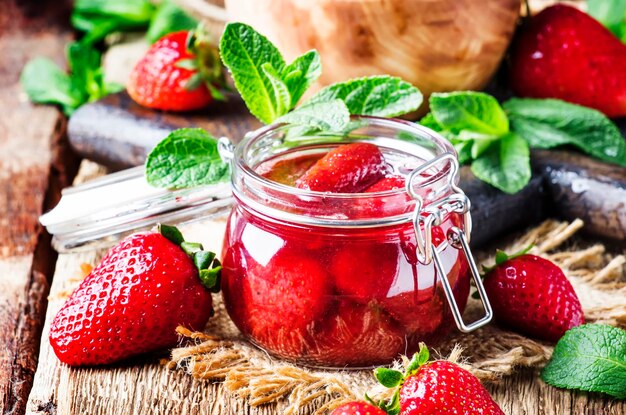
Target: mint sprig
[
  {"x": 592, "y": 358},
  {"x": 496, "y": 139},
  {"x": 271, "y": 89},
  {"x": 45, "y": 83}
]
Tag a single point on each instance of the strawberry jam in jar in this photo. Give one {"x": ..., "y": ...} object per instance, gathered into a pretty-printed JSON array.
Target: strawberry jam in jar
[{"x": 347, "y": 250}]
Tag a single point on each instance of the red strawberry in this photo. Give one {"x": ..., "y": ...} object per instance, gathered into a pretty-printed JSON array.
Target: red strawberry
[
  {"x": 435, "y": 388},
  {"x": 565, "y": 53},
  {"x": 443, "y": 387},
  {"x": 365, "y": 271},
  {"x": 532, "y": 295},
  {"x": 357, "y": 408},
  {"x": 172, "y": 77},
  {"x": 132, "y": 302},
  {"x": 349, "y": 168},
  {"x": 283, "y": 300},
  {"x": 358, "y": 335}
]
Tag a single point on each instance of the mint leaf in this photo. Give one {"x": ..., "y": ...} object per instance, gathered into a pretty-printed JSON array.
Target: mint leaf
[
  {"x": 592, "y": 358},
  {"x": 329, "y": 116},
  {"x": 505, "y": 165},
  {"x": 168, "y": 18},
  {"x": 547, "y": 123},
  {"x": 429, "y": 121},
  {"x": 381, "y": 96},
  {"x": 608, "y": 12},
  {"x": 45, "y": 83},
  {"x": 187, "y": 157},
  {"x": 473, "y": 111},
  {"x": 281, "y": 93},
  {"x": 301, "y": 73},
  {"x": 244, "y": 51}
]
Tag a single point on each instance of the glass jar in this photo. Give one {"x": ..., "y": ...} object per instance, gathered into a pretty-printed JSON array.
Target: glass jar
[{"x": 348, "y": 279}]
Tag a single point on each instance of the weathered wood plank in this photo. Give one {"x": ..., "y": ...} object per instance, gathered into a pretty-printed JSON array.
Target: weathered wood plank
[
  {"x": 145, "y": 387},
  {"x": 28, "y": 139}
]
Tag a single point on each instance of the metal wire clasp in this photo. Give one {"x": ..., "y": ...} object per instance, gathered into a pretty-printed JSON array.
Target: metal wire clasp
[{"x": 425, "y": 218}]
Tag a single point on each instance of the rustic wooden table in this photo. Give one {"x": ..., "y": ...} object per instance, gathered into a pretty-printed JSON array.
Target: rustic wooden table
[{"x": 34, "y": 165}]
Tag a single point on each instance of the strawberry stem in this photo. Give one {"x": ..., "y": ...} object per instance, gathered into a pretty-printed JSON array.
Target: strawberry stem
[
  {"x": 207, "y": 63},
  {"x": 209, "y": 267}
]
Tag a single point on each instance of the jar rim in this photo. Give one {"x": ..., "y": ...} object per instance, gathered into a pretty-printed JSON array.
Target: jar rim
[{"x": 442, "y": 145}]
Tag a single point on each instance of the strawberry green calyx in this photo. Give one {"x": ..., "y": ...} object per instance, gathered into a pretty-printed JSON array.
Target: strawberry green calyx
[
  {"x": 209, "y": 267},
  {"x": 391, "y": 378},
  {"x": 207, "y": 63},
  {"x": 502, "y": 257}
]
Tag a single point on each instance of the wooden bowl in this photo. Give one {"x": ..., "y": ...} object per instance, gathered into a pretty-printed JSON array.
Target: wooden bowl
[{"x": 438, "y": 45}]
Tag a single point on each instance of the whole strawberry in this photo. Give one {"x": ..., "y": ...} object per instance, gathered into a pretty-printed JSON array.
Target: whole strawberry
[
  {"x": 532, "y": 296},
  {"x": 564, "y": 53},
  {"x": 134, "y": 299},
  {"x": 358, "y": 408},
  {"x": 178, "y": 73},
  {"x": 435, "y": 388}
]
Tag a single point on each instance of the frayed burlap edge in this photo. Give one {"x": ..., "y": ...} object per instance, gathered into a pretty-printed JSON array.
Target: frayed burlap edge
[{"x": 489, "y": 353}]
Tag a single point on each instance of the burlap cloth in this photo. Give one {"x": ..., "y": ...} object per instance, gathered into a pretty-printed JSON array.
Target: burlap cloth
[{"x": 220, "y": 354}]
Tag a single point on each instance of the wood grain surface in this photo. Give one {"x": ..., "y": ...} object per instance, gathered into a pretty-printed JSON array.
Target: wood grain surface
[
  {"x": 29, "y": 143},
  {"x": 145, "y": 387}
]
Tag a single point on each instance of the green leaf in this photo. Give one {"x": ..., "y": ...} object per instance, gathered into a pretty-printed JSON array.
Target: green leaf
[
  {"x": 389, "y": 378},
  {"x": 381, "y": 96},
  {"x": 203, "y": 259},
  {"x": 211, "y": 278},
  {"x": 419, "y": 359},
  {"x": 591, "y": 358},
  {"x": 187, "y": 157},
  {"x": 168, "y": 18},
  {"x": 393, "y": 406},
  {"x": 191, "y": 248},
  {"x": 172, "y": 233},
  {"x": 326, "y": 116},
  {"x": 45, "y": 83},
  {"x": 547, "y": 123},
  {"x": 301, "y": 73},
  {"x": 429, "y": 121},
  {"x": 100, "y": 17},
  {"x": 473, "y": 111},
  {"x": 608, "y": 12},
  {"x": 505, "y": 165},
  {"x": 281, "y": 93},
  {"x": 244, "y": 51}
]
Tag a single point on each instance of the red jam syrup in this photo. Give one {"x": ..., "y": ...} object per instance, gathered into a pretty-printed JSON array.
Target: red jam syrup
[{"x": 345, "y": 296}]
